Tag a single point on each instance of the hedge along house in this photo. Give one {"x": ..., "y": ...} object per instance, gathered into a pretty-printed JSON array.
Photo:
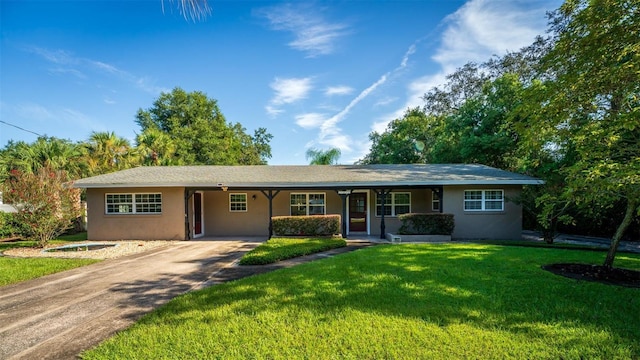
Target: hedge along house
[{"x": 185, "y": 202}]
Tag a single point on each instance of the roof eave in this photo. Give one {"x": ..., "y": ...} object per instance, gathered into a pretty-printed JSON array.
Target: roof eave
[{"x": 315, "y": 185}]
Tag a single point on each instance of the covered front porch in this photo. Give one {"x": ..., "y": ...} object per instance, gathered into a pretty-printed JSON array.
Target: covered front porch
[{"x": 365, "y": 212}]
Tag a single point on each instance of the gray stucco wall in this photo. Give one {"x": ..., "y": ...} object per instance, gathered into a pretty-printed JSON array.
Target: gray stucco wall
[{"x": 505, "y": 224}]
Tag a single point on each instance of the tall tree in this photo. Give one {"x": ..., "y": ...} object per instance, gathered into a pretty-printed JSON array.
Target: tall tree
[
  {"x": 406, "y": 140},
  {"x": 589, "y": 104},
  {"x": 200, "y": 133},
  {"x": 107, "y": 152},
  {"x": 323, "y": 157}
]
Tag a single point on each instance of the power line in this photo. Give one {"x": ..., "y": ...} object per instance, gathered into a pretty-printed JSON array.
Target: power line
[{"x": 18, "y": 127}]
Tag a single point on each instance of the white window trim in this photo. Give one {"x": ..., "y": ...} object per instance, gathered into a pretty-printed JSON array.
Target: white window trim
[
  {"x": 246, "y": 202},
  {"x": 483, "y": 201},
  {"x": 307, "y": 205},
  {"x": 133, "y": 204},
  {"x": 393, "y": 203},
  {"x": 435, "y": 200}
]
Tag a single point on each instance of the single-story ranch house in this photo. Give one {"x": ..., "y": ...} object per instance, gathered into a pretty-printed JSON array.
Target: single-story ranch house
[{"x": 185, "y": 202}]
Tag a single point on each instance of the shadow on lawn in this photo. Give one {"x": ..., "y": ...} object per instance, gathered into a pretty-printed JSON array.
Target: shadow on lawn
[
  {"x": 145, "y": 295},
  {"x": 488, "y": 287}
]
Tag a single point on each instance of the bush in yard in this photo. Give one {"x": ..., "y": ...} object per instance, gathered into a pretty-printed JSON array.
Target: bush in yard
[
  {"x": 314, "y": 225},
  {"x": 10, "y": 226},
  {"x": 47, "y": 204},
  {"x": 426, "y": 224}
]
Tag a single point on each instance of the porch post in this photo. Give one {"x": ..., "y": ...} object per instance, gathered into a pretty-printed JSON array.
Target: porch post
[
  {"x": 270, "y": 195},
  {"x": 383, "y": 196},
  {"x": 344, "y": 195}
]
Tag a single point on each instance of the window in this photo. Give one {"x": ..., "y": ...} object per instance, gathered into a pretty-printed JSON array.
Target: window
[
  {"x": 134, "y": 203},
  {"x": 237, "y": 202},
  {"x": 395, "y": 204},
  {"x": 307, "y": 204},
  {"x": 483, "y": 200},
  {"x": 435, "y": 201}
]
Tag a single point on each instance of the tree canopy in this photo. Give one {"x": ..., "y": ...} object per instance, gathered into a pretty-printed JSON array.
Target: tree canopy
[
  {"x": 194, "y": 126},
  {"x": 565, "y": 109}
]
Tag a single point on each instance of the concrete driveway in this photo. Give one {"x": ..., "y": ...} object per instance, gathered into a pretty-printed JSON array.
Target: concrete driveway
[{"x": 60, "y": 315}]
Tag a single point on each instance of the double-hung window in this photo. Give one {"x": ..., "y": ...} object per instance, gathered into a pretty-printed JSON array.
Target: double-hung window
[
  {"x": 147, "y": 203},
  {"x": 483, "y": 200},
  {"x": 307, "y": 204},
  {"x": 396, "y": 203},
  {"x": 237, "y": 202}
]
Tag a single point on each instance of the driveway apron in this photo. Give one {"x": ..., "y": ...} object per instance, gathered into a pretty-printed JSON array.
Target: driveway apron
[{"x": 59, "y": 315}]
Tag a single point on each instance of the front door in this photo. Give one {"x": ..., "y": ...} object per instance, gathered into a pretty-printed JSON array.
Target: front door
[
  {"x": 197, "y": 214},
  {"x": 358, "y": 212}
]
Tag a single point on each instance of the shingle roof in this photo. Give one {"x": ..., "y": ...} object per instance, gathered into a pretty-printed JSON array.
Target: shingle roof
[{"x": 307, "y": 176}]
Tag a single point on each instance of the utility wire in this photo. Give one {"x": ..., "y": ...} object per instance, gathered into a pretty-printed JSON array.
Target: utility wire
[{"x": 18, "y": 127}]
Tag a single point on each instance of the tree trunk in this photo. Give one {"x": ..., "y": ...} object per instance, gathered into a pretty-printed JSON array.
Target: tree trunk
[{"x": 626, "y": 221}]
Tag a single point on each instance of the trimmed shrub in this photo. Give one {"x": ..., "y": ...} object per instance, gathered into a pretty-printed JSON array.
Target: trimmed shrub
[
  {"x": 426, "y": 224},
  {"x": 313, "y": 225},
  {"x": 10, "y": 227}
]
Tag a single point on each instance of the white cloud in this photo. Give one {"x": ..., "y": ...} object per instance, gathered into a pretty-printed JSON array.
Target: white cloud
[
  {"x": 475, "y": 32},
  {"x": 83, "y": 66},
  {"x": 288, "y": 91},
  {"x": 272, "y": 111},
  {"x": 313, "y": 34},
  {"x": 32, "y": 111},
  {"x": 310, "y": 120},
  {"x": 482, "y": 28},
  {"x": 338, "y": 90}
]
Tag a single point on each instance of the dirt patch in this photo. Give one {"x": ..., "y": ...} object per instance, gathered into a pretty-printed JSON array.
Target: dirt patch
[{"x": 597, "y": 273}]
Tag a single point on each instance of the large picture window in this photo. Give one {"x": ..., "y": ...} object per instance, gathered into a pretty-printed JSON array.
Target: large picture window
[
  {"x": 483, "y": 200},
  {"x": 307, "y": 204},
  {"x": 133, "y": 203},
  {"x": 396, "y": 203},
  {"x": 238, "y": 202}
]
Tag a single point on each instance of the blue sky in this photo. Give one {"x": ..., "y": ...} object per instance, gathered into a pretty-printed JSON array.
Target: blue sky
[{"x": 315, "y": 74}]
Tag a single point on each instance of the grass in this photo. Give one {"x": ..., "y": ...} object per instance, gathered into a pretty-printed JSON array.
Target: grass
[
  {"x": 447, "y": 301},
  {"x": 14, "y": 270},
  {"x": 277, "y": 249}
]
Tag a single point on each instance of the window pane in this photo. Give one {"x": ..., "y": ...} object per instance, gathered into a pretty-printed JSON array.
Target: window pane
[
  {"x": 316, "y": 199},
  {"x": 493, "y": 205},
  {"x": 316, "y": 210},
  {"x": 472, "y": 195},
  {"x": 493, "y": 195},
  {"x": 298, "y": 199},
  {"x": 473, "y": 205},
  {"x": 402, "y": 209},
  {"x": 298, "y": 210},
  {"x": 387, "y": 210},
  {"x": 402, "y": 199}
]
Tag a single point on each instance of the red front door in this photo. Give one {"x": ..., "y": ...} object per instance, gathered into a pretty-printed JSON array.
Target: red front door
[
  {"x": 358, "y": 212},
  {"x": 197, "y": 214}
]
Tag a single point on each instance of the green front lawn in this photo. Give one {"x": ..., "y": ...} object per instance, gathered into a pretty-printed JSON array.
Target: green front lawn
[
  {"x": 13, "y": 270},
  {"x": 277, "y": 249},
  {"x": 446, "y": 301}
]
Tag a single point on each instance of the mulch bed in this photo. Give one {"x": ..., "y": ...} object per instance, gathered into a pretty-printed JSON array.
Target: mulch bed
[{"x": 597, "y": 273}]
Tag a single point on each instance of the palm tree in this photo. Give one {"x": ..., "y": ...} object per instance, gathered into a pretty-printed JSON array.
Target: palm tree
[
  {"x": 156, "y": 147},
  {"x": 57, "y": 154},
  {"x": 106, "y": 152},
  {"x": 323, "y": 157},
  {"x": 192, "y": 9}
]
